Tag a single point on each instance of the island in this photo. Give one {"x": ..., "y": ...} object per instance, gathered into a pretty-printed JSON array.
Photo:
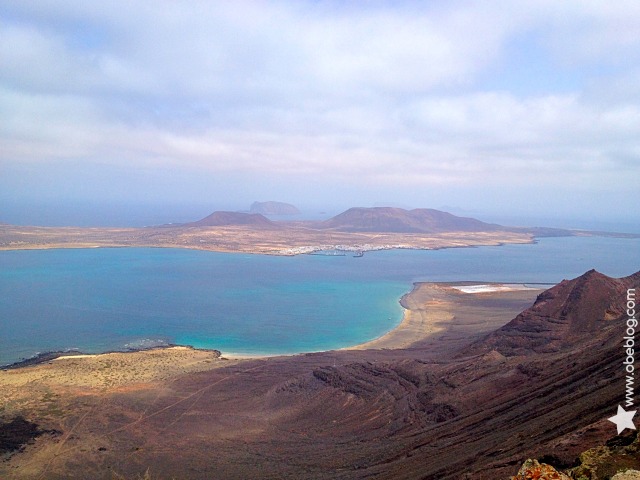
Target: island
[
  {"x": 274, "y": 208},
  {"x": 356, "y": 230}
]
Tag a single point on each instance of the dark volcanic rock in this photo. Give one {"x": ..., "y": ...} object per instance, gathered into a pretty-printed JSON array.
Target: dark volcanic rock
[
  {"x": 15, "y": 434},
  {"x": 420, "y": 220}
]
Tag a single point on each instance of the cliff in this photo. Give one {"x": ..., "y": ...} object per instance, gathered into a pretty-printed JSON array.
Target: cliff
[{"x": 564, "y": 317}]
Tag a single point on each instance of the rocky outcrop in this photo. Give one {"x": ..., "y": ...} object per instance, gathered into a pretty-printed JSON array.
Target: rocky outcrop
[
  {"x": 618, "y": 455},
  {"x": 534, "y": 470},
  {"x": 627, "y": 475},
  {"x": 563, "y": 317},
  {"x": 618, "y": 459}
]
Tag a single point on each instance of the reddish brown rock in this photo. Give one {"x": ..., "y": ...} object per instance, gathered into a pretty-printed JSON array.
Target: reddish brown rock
[
  {"x": 572, "y": 313},
  {"x": 533, "y": 470}
]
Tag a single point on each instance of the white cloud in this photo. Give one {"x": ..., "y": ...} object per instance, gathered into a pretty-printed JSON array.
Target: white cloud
[{"x": 365, "y": 93}]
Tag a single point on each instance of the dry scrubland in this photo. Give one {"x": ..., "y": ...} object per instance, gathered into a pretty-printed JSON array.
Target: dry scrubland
[
  {"x": 36, "y": 389},
  {"x": 289, "y": 239}
]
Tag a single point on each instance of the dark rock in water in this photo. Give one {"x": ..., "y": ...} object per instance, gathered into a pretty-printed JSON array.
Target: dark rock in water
[{"x": 39, "y": 358}]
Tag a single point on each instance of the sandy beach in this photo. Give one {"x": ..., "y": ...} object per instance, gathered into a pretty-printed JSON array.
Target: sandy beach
[{"x": 431, "y": 309}]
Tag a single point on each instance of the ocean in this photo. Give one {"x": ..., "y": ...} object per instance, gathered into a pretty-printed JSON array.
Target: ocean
[{"x": 97, "y": 300}]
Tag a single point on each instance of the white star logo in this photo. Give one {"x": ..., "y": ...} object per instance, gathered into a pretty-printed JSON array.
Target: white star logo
[{"x": 623, "y": 419}]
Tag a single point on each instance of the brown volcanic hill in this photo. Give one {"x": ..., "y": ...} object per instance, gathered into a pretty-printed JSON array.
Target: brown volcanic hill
[
  {"x": 273, "y": 208},
  {"x": 344, "y": 415},
  {"x": 399, "y": 220},
  {"x": 477, "y": 416},
  {"x": 563, "y": 316},
  {"x": 220, "y": 218}
]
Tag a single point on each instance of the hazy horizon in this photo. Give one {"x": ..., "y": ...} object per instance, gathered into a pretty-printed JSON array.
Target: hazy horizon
[
  {"x": 120, "y": 215},
  {"x": 144, "y": 112}
]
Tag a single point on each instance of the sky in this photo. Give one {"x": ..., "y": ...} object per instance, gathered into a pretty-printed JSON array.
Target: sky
[{"x": 495, "y": 109}]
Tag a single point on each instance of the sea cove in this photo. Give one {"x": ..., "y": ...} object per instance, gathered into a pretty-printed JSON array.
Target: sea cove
[{"x": 97, "y": 300}]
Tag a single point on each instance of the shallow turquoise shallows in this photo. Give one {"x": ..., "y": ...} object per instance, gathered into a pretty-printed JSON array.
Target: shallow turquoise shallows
[{"x": 97, "y": 300}]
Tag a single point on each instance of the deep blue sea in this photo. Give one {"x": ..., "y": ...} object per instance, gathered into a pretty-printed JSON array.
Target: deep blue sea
[{"x": 98, "y": 300}]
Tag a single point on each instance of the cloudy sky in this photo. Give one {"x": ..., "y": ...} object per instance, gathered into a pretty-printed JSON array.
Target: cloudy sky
[{"x": 493, "y": 108}]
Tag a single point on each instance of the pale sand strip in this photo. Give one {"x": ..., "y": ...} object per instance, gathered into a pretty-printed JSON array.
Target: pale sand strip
[
  {"x": 432, "y": 308},
  {"x": 248, "y": 356},
  {"x": 83, "y": 355},
  {"x": 423, "y": 316},
  {"x": 488, "y": 288}
]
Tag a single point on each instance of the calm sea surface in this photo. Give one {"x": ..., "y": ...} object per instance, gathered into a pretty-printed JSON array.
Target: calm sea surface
[{"x": 111, "y": 299}]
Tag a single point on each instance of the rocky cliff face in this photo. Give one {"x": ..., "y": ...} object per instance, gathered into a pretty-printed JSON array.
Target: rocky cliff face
[
  {"x": 543, "y": 385},
  {"x": 569, "y": 315}
]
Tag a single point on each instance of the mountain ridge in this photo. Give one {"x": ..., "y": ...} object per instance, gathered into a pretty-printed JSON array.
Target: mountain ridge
[
  {"x": 562, "y": 316},
  {"x": 399, "y": 220}
]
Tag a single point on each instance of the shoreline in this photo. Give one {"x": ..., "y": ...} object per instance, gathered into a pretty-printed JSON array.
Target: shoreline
[
  {"x": 51, "y": 356},
  {"x": 289, "y": 241},
  {"x": 419, "y": 322},
  {"x": 283, "y": 252}
]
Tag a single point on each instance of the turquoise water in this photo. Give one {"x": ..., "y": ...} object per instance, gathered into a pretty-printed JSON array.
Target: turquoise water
[{"x": 110, "y": 299}]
